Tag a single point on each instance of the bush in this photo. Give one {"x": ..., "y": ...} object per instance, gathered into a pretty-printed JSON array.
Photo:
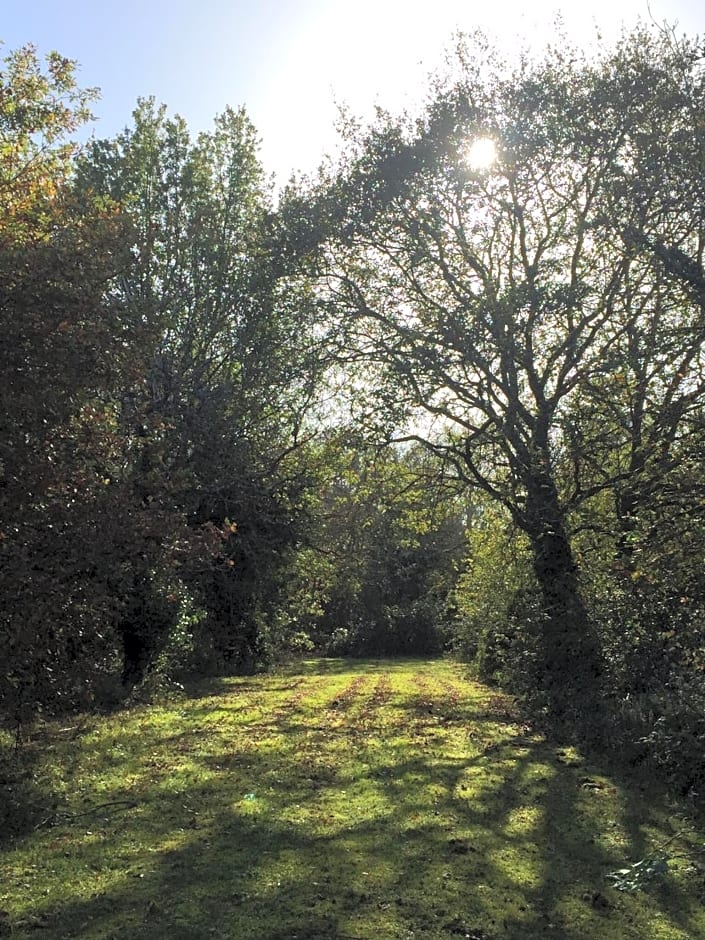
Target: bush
[{"x": 497, "y": 613}]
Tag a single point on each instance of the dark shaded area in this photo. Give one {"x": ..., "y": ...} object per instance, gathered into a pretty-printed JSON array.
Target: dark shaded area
[{"x": 24, "y": 801}]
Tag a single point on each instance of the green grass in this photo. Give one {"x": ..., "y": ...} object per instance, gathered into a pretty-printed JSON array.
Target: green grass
[{"x": 338, "y": 800}]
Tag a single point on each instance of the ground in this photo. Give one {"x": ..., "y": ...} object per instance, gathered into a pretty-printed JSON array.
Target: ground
[{"x": 335, "y": 800}]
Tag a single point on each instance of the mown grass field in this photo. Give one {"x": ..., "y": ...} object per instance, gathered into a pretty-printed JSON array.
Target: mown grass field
[{"x": 335, "y": 800}]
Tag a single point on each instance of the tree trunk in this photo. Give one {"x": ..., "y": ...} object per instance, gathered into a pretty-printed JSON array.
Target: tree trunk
[
  {"x": 145, "y": 625},
  {"x": 134, "y": 656},
  {"x": 571, "y": 663}
]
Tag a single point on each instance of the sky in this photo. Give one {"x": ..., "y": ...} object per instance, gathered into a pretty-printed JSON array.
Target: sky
[{"x": 291, "y": 63}]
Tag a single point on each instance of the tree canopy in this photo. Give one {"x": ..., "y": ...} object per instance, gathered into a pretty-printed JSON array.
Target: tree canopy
[{"x": 545, "y": 309}]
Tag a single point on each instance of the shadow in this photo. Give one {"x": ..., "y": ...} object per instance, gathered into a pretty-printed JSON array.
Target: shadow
[
  {"x": 417, "y": 811},
  {"x": 24, "y": 801},
  {"x": 28, "y": 799}
]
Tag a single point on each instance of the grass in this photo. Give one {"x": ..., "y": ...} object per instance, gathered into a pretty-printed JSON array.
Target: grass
[{"x": 340, "y": 800}]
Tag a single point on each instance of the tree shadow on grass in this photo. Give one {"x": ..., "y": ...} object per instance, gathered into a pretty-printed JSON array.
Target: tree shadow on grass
[
  {"x": 28, "y": 800},
  {"x": 279, "y": 838},
  {"x": 24, "y": 801},
  {"x": 464, "y": 873},
  {"x": 579, "y": 837}
]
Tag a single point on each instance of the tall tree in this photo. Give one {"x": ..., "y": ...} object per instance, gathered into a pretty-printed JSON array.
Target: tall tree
[
  {"x": 508, "y": 301},
  {"x": 68, "y": 346},
  {"x": 230, "y": 374}
]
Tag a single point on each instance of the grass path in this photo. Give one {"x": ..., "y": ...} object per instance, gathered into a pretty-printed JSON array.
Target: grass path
[{"x": 357, "y": 801}]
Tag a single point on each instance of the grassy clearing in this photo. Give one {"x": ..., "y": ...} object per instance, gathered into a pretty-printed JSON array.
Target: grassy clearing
[{"x": 341, "y": 800}]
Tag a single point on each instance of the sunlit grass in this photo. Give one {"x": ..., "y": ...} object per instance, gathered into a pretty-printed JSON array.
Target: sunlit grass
[{"x": 367, "y": 800}]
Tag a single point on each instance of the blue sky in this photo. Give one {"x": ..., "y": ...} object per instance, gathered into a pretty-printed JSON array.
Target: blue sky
[{"x": 289, "y": 61}]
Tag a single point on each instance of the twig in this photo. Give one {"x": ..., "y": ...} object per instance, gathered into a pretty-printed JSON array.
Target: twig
[{"x": 128, "y": 804}]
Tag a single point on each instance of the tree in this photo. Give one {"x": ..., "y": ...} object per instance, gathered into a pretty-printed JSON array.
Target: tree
[
  {"x": 508, "y": 302},
  {"x": 68, "y": 344},
  {"x": 231, "y": 371},
  {"x": 387, "y": 538}
]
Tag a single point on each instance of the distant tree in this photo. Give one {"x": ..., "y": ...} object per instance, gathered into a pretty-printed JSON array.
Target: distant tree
[{"x": 387, "y": 538}]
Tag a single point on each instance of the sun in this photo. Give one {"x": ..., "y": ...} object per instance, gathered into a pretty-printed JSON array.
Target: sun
[{"x": 481, "y": 153}]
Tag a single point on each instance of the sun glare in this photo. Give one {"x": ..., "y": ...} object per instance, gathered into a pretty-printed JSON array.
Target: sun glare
[{"x": 481, "y": 153}]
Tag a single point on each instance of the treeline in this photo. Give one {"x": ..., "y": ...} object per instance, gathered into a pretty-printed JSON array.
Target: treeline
[{"x": 412, "y": 405}]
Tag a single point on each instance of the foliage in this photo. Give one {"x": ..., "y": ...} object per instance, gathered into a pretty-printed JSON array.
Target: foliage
[
  {"x": 640, "y": 874},
  {"x": 228, "y": 378},
  {"x": 546, "y": 311},
  {"x": 68, "y": 344},
  {"x": 494, "y": 598},
  {"x": 39, "y": 109},
  {"x": 155, "y": 396},
  {"x": 388, "y": 540}
]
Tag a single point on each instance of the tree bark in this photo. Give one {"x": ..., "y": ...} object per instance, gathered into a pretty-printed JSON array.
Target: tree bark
[{"x": 571, "y": 668}]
